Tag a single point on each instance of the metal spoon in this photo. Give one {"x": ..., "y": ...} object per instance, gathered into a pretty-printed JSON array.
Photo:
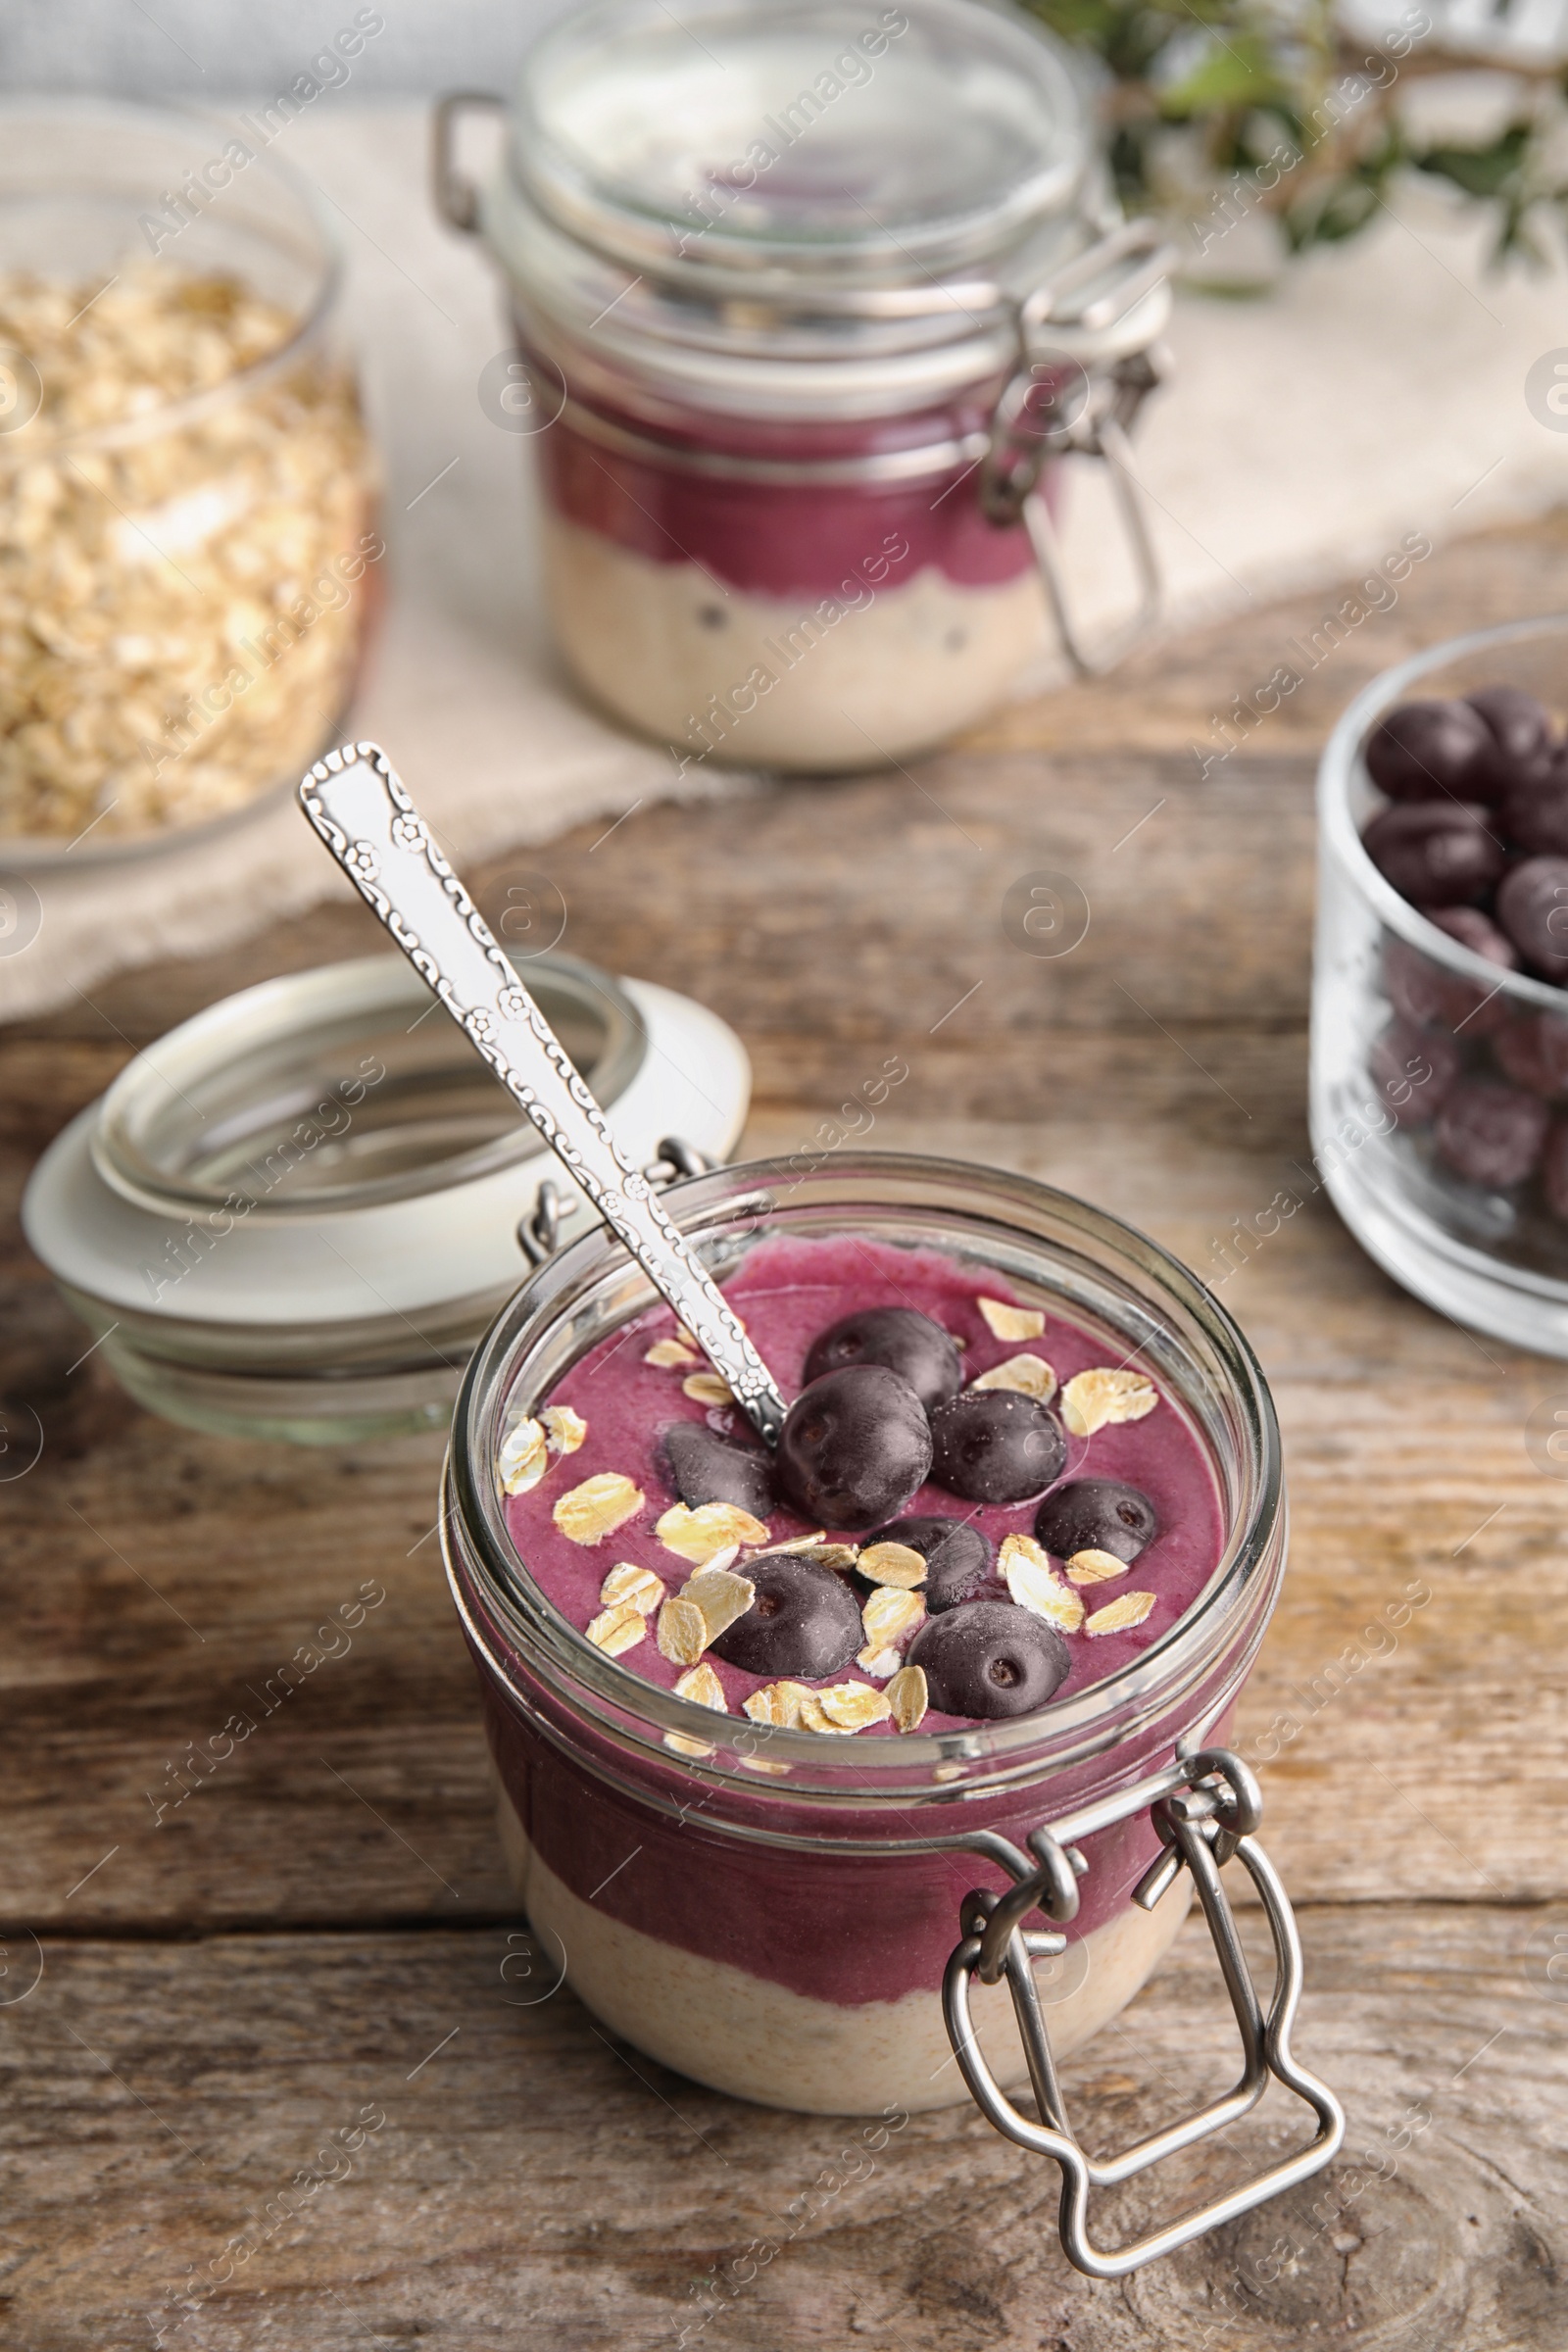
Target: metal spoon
[{"x": 362, "y": 811}]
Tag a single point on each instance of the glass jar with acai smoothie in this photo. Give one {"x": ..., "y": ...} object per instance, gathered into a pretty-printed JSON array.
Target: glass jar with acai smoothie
[
  {"x": 811, "y": 298},
  {"x": 776, "y": 1732}
]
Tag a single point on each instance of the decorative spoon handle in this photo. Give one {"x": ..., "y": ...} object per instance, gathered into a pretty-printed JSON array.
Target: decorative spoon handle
[{"x": 362, "y": 811}]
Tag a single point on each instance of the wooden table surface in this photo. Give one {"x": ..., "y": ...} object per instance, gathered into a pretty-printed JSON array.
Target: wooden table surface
[{"x": 323, "y": 1935}]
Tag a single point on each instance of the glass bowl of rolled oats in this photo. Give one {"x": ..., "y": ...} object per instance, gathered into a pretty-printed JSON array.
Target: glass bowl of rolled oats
[{"x": 189, "y": 553}]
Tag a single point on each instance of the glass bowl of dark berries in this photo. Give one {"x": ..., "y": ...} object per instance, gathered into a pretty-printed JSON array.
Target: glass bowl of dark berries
[{"x": 1440, "y": 1009}]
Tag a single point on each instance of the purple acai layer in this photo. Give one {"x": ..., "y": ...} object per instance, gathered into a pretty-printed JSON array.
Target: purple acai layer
[
  {"x": 778, "y": 539},
  {"x": 787, "y": 1292}
]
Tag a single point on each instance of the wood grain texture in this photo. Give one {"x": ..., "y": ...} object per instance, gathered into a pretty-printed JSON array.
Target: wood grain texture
[
  {"x": 171, "y": 2105},
  {"x": 226, "y": 1983}
]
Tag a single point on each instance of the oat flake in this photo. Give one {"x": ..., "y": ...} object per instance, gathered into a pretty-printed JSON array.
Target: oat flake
[
  {"x": 615, "y": 1631},
  {"x": 1009, "y": 1322},
  {"x": 1035, "y": 1584},
  {"x": 700, "y": 1535},
  {"x": 1094, "y": 1567},
  {"x": 1126, "y": 1610},
  {"x": 682, "y": 1632},
  {"x": 843, "y": 1708},
  {"x": 909, "y": 1698},
  {"x": 668, "y": 1355},
  {"x": 595, "y": 1509},
  {"x": 720, "y": 1598},
  {"x": 1092, "y": 1399},
  {"x": 522, "y": 1459},
  {"x": 629, "y": 1586},
  {"x": 893, "y": 1564},
  {"x": 777, "y": 1704},
  {"x": 889, "y": 1615},
  {"x": 1029, "y": 1375},
  {"x": 702, "y": 1685}
]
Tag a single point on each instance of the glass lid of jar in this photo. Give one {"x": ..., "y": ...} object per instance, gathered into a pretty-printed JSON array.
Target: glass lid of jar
[
  {"x": 207, "y": 1120},
  {"x": 829, "y": 136}
]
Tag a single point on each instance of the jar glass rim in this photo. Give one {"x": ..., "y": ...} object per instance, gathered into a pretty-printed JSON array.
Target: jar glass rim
[
  {"x": 1340, "y": 770},
  {"x": 1225, "y": 1622},
  {"x": 192, "y": 407},
  {"x": 634, "y": 213}
]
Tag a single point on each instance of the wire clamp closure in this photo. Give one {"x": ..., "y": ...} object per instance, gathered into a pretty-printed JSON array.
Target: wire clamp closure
[
  {"x": 1206, "y": 1808},
  {"x": 539, "y": 1234},
  {"x": 1057, "y": 403}
]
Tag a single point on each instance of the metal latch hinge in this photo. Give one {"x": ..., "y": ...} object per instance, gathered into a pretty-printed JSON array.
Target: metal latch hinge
[
  {"x": 1054, "y": 405},
  {"x": 539, "y": 1232},
  {"x": 1206, "y": 1808}
]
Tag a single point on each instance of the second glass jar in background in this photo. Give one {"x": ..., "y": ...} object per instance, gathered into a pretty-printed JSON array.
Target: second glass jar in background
[{"x": 812, "y": 300}]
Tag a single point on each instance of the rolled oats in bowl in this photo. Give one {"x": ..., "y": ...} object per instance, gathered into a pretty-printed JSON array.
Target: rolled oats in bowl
[{"x": 188, "y": 543}]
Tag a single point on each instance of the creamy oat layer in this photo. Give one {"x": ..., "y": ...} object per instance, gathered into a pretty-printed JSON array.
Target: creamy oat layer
[
  {"x": 758, "y": 2040},
  {"x": 667, "y": 648}
]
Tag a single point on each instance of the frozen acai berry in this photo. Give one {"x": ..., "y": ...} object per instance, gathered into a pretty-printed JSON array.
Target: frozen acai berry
[
  {"x": 1427, "y": 993},
  {"x": 992, "y": 1658},
  {"x": 1533, "y": 1051},
  {"x": 702, "y": 1468},
  {"x": 996, "y": 1445},
  {"x": 1490, "y": 1134},
  {"x": 856, "y": 1445},
  {"x": 1534, "y": 817},
  {"x": 902, "y": 1339},
  {"x": 1523, "y": 749},
  {"x": 1095, "y": 1514},
  {"x": 803, "y": 1621},
  {"x": 1475, "y": 931},
  {"x": 1475, "y": 836},
  {"x": 1412, "y": 1071},
  {"x": 1425, "y": 750},
  {"x": 1532, "y": 908},
  {"x": 957, "y": 1557},
  {"x": 1436, "y": 853}
]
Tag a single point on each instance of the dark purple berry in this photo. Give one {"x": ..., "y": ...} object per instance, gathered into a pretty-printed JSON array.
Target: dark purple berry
[
  {"x": 1532, "y": 908},
  {"x": 1429, "y": 994},
  {"x": 901, "y": 1338},
  {"x": 1490, "y": 1134},
  {"x": 1435, "y": 853},
  {"x": 855, "y": 1447},
  {"x": 992, "y": 1658},
  {"x": 1533, "y": 1051},
  {"x": 957, "y": 1557},
  {"x": 702, "y": 1468},
  {"x": 1412, "y": 1071},
  {"x": 1095, "y": 1514},
  {"x": 1534, "y": 816},
  {"x": 1523, "y": 747},
  {"x": 803, "y": 1621},
  {"x": 996, "y": 1445},
  {"x": 1428, "y": 751},
  {"x": 1475, "y": 931}
]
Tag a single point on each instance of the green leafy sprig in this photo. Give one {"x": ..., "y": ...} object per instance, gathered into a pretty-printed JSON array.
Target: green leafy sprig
[{"x": 1217, "y": 109}]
